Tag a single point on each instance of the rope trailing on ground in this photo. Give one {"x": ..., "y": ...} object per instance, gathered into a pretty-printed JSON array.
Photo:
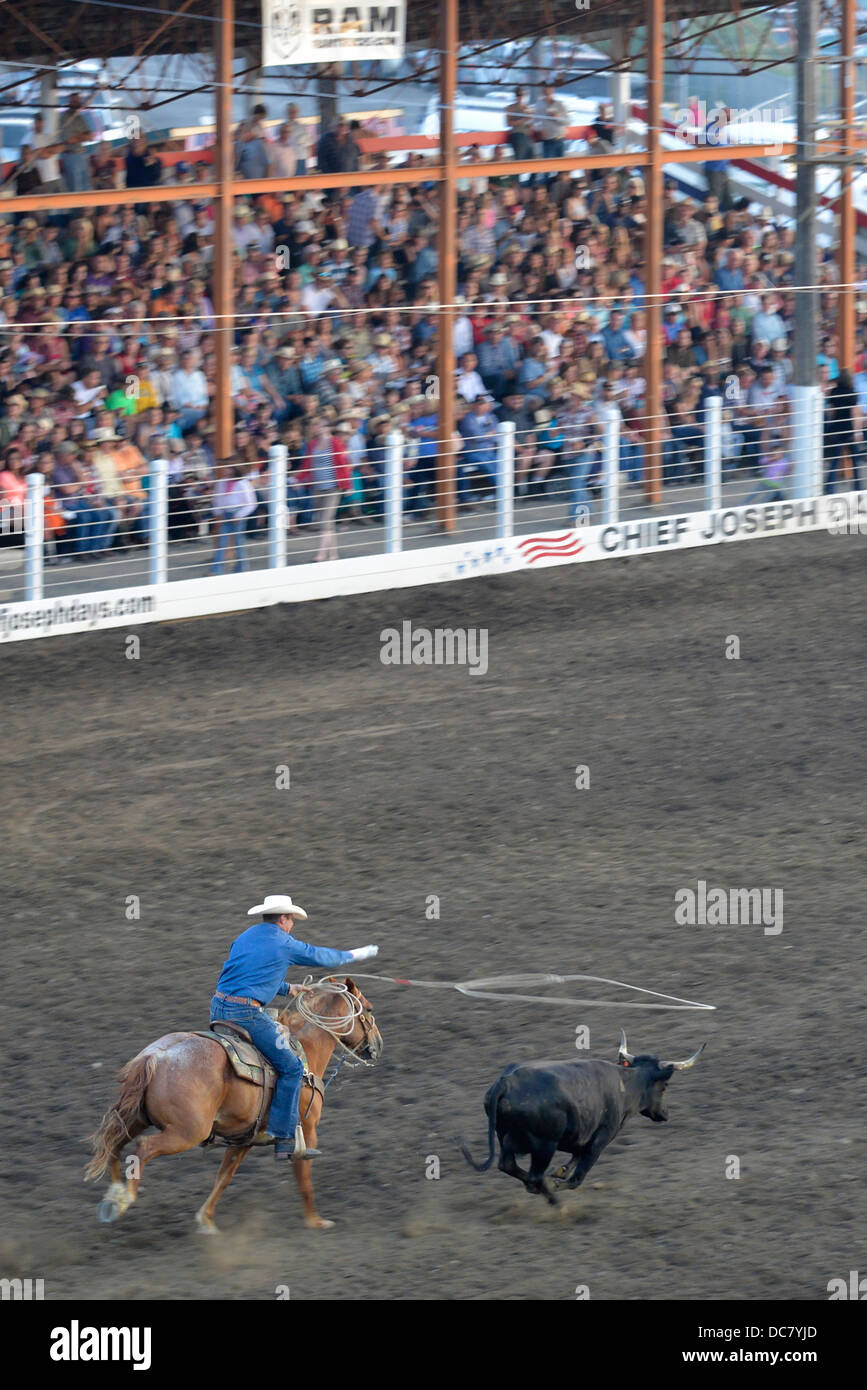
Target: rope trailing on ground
[{"x": 490, "y": 987}]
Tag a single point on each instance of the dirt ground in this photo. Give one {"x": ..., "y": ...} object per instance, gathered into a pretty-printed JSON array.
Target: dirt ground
[{"x": 156, "y": 778}]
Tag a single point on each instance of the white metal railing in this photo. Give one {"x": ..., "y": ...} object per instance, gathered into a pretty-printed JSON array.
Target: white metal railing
[{"x": 703, "y": 481}]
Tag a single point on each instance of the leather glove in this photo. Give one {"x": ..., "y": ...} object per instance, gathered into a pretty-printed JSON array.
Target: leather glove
[{"x": 364, "y": 952}]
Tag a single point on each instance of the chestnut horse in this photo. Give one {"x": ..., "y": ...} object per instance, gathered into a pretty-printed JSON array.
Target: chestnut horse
[{"x": 184, "y": 1085}]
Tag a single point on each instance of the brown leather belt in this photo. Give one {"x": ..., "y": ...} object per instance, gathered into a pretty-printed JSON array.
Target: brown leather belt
[{"x": 237, "y": 999}]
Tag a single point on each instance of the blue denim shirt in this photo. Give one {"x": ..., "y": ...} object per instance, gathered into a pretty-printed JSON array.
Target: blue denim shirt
[{"x": 257, "y": 963}]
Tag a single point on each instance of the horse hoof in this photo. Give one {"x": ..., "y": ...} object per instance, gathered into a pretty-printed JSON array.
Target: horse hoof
[
  {"x": 205, "y": 1226},
  {"x": 107, "y": 1212},
  {"x": 320, "y": 1224}
]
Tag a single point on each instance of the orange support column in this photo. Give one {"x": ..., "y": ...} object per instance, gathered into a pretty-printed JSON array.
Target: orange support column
[
  {"x": 653, "y": 252},
  {"x": 446, "y": 464},
  {"x": 847, "y": 273},
  {"x": 223, "y": 269}
]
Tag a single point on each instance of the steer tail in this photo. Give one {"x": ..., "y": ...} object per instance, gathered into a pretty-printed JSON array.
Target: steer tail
[
  {"x": 113, "y": 1131},
  {"x": 492, "y": 1101}
]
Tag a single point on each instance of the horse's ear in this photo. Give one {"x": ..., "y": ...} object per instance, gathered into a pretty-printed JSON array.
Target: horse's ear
[{"x": 351, "y": 985}]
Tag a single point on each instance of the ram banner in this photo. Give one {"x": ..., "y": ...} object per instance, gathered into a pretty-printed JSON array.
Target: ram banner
[{"x": 304, "y": 31}]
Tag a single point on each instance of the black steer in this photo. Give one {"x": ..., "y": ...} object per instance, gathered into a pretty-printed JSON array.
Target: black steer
[{"x": 538, "y": 1108}]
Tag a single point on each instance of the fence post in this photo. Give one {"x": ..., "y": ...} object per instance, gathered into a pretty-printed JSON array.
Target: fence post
[
  {"x": 34, "y": 533},
  {"x": 158, "y": 522},
  {"x": 611, "y": 465},
  {"x": 278, "y": 457},
  {"x": 394, "y": 493},
  {"x": 818, "y": 438},
  {"x": 713, "y": 453},
  {"x": 505, "y": 479},
  {"x": 806, "y": 441}
]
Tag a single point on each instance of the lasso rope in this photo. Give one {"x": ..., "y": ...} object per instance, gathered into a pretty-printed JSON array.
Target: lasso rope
[{"x": 489, "y": 988}]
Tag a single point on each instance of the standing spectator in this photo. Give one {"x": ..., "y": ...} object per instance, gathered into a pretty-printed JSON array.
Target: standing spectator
[
  {"x": 519, "y": 119},
  {"x": 251, "y": 146},
  {"x": 283, "y": 160},
  {"x": 553, "y": 122},
  {"x": 73, "y": 132},
  {"x": 299, "y": 138},
  {"x": 47, "y": 156},
  {"x": 235, "y": 501},
  {"x": 143, "y": 168},
  {"x": 325, "y": 476},
  {"x": 844, "y": 429},
  {"x": 337, "y": 152}
]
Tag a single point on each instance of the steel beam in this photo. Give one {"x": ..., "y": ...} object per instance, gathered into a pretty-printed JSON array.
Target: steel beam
[
  {"x": 806, "y": 303},
  {"x": 223, "y": 245},
  {"x": 653, "y": 406},
  {"x": 846, "y": 274},
  {"x": 447, "y": 268}
]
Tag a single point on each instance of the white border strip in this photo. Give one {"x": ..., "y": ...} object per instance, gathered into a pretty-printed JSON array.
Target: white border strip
[{"x": 842, "y": 514}]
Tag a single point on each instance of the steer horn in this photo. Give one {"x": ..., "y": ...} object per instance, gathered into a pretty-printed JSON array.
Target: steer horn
[
  {"x": 690, "y": 1061},
  {"x": 623, "y": 1052}
]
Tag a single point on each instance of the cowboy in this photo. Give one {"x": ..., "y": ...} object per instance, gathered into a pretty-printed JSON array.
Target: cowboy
[{"x": 254, "y": 972}]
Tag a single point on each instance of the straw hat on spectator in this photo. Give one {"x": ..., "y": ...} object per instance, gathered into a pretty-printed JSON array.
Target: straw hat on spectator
[{"x": 382, "y": 340}]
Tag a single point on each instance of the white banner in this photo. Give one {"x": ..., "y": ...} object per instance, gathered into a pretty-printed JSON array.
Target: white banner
[
  {"x": 843, "y": 515},
  {"x": 306, "y": 31}
]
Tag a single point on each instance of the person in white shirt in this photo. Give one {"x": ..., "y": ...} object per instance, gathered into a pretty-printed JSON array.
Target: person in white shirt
[
  {"x": 299, "y": 138},
  {"x": 462, "y": 332},
  {"x": 189, "y": 394},
  {"x": 234, "y": 503},
  {"x": 48, "y": 165},
  {"x": 282, "y": 154},
  {"x": 470, "y": 385},
  {"x": 244, "y": 234},
  {"x": 87, "y": 391}
]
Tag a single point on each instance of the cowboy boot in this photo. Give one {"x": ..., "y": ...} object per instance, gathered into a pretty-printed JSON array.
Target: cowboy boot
[{"x": 295, "y": 1148}]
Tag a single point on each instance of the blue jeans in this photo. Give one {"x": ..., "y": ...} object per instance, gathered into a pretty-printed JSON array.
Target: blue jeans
[
  {"x": 580, "y": 502},
  {"x": 264, "y": 1031},
  {"x": 234, "y": 527},
  {"x": 76, "y": 171},
  {"x": 631, "y": 461},
  {"x": 835, "y": 467}
]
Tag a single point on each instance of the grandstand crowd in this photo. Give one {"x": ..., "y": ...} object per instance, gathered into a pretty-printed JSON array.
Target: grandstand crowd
[{"x": 108, "y": 332}]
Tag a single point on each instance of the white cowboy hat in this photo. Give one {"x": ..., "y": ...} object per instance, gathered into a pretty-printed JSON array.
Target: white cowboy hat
[{"x": 277, "y": 903}]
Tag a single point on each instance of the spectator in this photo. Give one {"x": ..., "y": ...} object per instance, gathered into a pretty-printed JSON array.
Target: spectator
[
  {"x": 234, "y": 503},
  {"x": 519, "y": 119},
  {"x": 553, "y": 122},
  {"x": 73, "y": 132}
]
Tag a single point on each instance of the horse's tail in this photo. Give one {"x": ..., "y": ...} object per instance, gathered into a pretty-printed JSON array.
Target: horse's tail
[
  {"x": 113, "y": 1131},
  {"x": 492, "y": 1101}
]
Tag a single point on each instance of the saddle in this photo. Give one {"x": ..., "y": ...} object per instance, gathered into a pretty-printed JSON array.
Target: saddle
[
  {"x": 250, "y": 1065},
  {"x": 246, "y": 1059}
]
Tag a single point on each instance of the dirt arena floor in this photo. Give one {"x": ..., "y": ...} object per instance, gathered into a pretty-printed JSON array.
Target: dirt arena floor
[{"x": 156, "y": 778}]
